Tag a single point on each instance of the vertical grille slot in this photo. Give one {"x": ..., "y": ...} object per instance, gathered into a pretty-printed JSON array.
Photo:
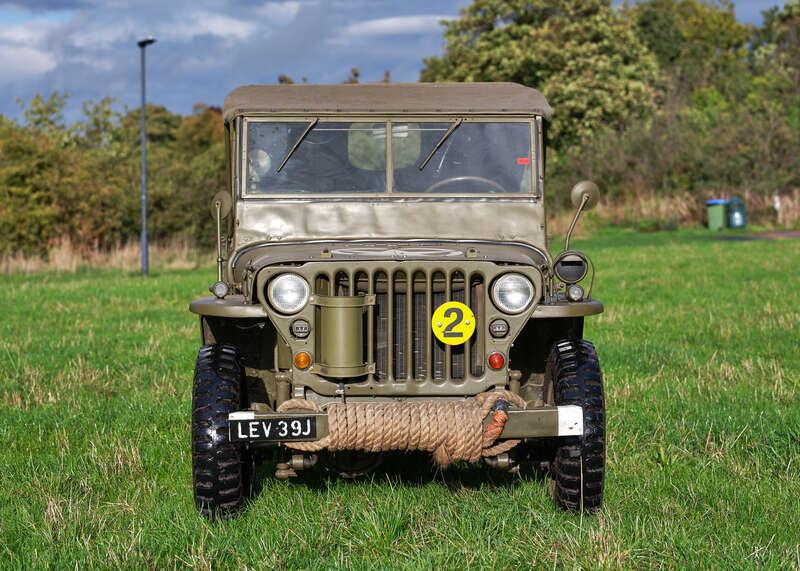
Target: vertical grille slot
[
  {"x": 439, "y": 293},
  {"x": 457, "y": 352},
  {"x": 341, "y": 284},
  {"x": 362, "y": 285},
  {"x": 380, "y": 284},
  {"x": 421, "y": 324},
  {"x": 399, "y": 326},
  {"x": 322, "y": 285},
  {"x": 477, "y": 298}
]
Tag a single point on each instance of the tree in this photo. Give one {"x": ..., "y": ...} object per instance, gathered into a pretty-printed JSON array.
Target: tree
[
  {"x": 658, "y": 28},
  {"x": 98, "y": 128},
  {"x": 582, "y": 54},
  {"x": 196, "y": 173},
  {"x": 778, "y": 46},
  {"x": 699, "y": 44},
  {"x": 45, "y": 114},
  {"x": 354, "y": 76},
  {"x": 28, "y": 215}
]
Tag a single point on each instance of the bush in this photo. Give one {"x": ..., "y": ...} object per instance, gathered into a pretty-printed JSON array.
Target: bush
[{"x": 81, "y": 183}]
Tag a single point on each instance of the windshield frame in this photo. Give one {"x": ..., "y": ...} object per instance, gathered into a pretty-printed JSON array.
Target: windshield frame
[{"x": 534, "y": 194}]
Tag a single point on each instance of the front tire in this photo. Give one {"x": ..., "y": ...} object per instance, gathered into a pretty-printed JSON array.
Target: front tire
[
  {"x": 573, "y": 377},
  {"x": 220, "y": 468}
]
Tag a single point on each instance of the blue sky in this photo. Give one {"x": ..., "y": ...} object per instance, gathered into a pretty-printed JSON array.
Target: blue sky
[{"x": 87, "y": 48}]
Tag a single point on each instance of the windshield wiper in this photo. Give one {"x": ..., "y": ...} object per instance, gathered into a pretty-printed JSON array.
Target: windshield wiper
[
  {"x": 299, "y": 140},
  {"x": 440, "y": 142}
]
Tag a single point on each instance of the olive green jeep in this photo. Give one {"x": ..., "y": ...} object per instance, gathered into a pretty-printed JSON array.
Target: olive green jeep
[{"x": 384, "y": 284}]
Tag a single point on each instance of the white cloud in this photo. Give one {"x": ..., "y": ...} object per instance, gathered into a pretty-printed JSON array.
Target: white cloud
[
  {"x": 395, "y": 25},
  {"x": 206, "y": 23},
  {"x": 182, "y": 27},
  {"x": 23, "y": 51},
  {"x": 27, "y": 33},
  {"x": 280, "y": 13},
  {"x": 24, "y": 61},
  {"x": 97, "y": 37},
  {"x": 207, "y": 46},
  {"x": 203, "y": 62},
  {"x": 102, "y": 64}
]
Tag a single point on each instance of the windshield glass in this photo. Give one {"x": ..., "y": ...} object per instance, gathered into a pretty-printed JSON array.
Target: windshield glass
[
  {"x": 470, "y": 158},
  {"x": 441, "y": 157},
  {"x": 331, "y": 158}
]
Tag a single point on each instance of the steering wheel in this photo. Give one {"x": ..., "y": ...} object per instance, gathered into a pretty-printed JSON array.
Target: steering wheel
[{"x": 456, "y": 179}]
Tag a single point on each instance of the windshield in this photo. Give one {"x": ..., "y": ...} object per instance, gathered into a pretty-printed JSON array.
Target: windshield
[
  {"x": 450, "y": 157},
  {"x": 331, "y": 158}
]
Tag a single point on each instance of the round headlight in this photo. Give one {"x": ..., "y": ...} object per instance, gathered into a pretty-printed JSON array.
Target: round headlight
[
  {"x": 288, "y": 293},
  {"x": 570, "y": 267},
  {"x": 512, "y": 293}
]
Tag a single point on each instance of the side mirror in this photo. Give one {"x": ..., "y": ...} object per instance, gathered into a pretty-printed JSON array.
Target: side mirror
[
  {"x": 584, "y": 196},
  {"x": 585, "y": 190},
  {"x": 221, "y": 200}
]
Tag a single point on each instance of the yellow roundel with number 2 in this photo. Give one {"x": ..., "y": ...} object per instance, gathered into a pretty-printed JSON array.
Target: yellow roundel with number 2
[{"x": 453, "y": 323}]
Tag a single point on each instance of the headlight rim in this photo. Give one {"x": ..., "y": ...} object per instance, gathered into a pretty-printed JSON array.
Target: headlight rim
[
  {"x": 500, "y": 306},
  {"x": 271, "y": 298},
  {"x": 565, "y": 254}
]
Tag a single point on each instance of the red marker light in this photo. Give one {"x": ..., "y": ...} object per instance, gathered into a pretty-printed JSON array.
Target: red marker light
[
  {"x": 496, "y": 361},
  {"x": 523, "y": 161}
]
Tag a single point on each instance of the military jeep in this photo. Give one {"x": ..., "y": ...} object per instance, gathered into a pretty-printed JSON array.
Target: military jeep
[{"x": 384, "y": 284}]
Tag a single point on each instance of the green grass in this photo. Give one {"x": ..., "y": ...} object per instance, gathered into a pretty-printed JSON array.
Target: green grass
[{"x": 699, "y": 344}]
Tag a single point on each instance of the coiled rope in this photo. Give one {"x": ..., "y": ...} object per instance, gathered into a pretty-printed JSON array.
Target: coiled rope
[{"x": 451, "y": 430}]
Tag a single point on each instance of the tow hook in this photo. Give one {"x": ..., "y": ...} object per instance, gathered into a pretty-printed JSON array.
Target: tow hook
[
  {"x": 499, "y": 414},
  {"x": 501, "y": 404}
]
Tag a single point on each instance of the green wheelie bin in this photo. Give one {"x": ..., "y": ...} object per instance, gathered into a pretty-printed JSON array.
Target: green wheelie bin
[{"x": 717, "y": 213}]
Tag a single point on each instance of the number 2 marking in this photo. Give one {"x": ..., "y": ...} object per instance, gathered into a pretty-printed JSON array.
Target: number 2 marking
[{"x": 448, "y": 331}]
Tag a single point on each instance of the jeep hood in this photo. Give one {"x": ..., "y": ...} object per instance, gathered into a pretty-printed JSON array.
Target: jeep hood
[{"x": 271, "y": 221}]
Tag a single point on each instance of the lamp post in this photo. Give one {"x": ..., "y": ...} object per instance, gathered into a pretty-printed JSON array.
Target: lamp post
[{"x": 144, "y": 255}]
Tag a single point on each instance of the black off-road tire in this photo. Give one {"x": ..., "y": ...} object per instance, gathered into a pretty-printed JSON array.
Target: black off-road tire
[
  {"x": 573, "y": 377},
  {"x": 220, "y": 469}
]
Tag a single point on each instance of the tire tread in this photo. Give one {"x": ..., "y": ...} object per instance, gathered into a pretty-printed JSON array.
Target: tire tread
[
  {"x": 578, "y": 471},
  {"x": 220, "y": 468}
]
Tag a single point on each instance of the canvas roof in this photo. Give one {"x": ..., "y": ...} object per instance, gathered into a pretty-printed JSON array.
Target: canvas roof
[{"x": 384, "y": 98}]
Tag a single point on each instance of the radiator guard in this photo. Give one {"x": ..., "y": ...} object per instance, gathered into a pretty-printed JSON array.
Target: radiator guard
[{"x": 400, "y": 355}]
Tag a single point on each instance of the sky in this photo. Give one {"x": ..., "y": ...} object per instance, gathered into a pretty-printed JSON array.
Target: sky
[{"x": 87, "y": 48}]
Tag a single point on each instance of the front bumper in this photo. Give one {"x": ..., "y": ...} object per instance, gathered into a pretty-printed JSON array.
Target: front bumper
[{"x": 540, "y": 422}]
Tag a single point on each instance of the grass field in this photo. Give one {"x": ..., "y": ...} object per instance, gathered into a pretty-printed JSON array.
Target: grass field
[{"x": 699, "y": 344}]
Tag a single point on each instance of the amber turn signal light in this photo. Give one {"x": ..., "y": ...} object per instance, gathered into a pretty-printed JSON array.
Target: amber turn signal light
[
  {"x": 496, "y": 361},
  {"x": 302, "y": 360}
]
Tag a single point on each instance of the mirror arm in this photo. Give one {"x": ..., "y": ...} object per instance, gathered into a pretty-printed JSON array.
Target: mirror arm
[
  {"x": 575, "y": 221},
  {"x": 218, "y": 207}
]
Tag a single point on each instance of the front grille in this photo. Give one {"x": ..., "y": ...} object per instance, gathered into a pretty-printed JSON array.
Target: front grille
[{"x": 398, "y": 338}]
